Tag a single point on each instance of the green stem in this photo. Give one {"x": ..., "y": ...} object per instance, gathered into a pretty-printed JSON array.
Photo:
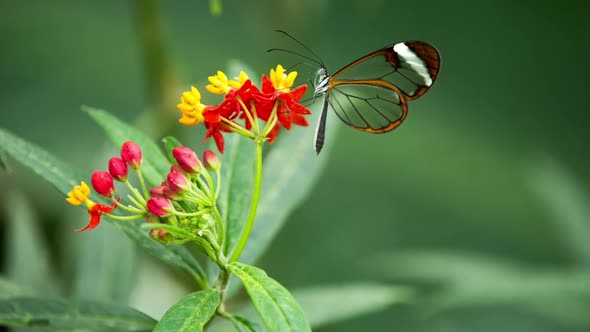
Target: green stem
[
  {"x": 191, "y": 214},
  {"x": 126, "y": 218},
  {"x": 131, "y": 209},
  {"x": 251, "y": 116},
  {"x": 272, "y": 120},
  {"x": 254, "y": 204},
  {"x": 140, "y": 201},
  {"x": 236, "y": 128},
  {"x": 218, "y": 188},
  {"x": 220, "y": 227},
  {"x": 142, "y": 182}
]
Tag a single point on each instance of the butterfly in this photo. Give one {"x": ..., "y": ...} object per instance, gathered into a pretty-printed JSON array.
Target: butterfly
[{"x": 371, "y": 93}]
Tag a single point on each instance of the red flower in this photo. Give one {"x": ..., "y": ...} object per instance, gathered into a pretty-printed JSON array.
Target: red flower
[
  {"x": 95, "y": 211},
  {"x": 245, "y": 102}
]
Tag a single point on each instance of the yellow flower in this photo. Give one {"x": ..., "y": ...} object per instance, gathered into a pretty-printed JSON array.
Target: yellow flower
[
  {"x": 191, "y": 107},
  {"x": 282, "y": 81},
  {"x": 240, "y": 80},
  {"x": 219, "y": 84},
  {"x": 79, "y": 195}
]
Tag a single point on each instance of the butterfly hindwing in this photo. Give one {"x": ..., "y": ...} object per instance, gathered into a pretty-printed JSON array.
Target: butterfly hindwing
[{"x": 370, "y": 108}]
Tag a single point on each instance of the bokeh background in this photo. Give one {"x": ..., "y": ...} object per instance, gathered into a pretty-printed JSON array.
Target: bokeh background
[{"x": 479, "y": 201}]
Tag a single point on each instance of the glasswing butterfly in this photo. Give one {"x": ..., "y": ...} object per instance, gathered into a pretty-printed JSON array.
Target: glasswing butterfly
[{"x": 371, "y": 94}]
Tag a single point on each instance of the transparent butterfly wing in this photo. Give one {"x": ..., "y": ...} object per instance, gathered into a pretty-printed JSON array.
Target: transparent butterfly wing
[
  {"x": 410, "y": 66},
  {"x": 370, "y": 108}
]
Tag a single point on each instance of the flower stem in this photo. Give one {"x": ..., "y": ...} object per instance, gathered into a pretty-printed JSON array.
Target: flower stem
[
  {"x": 126, "y": 218},
  {"x": 254, "y": 204},
  {"x": 145, "y": 192},
  {"x": 220, "y": 227},
  {"x": 130, "y": 209}
]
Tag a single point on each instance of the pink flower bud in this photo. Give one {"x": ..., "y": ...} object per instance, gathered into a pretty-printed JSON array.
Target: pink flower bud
[
  {"x": 157, "y": 191},
  {"x": 171, "y": 194},
  {"x": 102, "y": 182},
  {"x": 177, "y": 169},
  {"x": 212, "y": 162},
  {"x": 160, "y": 235},
  {"x": 178, "y": 181},
  {"x": 152, "y": 219},
  {"x": 131, "y": 154},
  {"x": 187, "y": 159},
  {"x": 160, "y": 206},
  {"x": 118, "y": 169}
]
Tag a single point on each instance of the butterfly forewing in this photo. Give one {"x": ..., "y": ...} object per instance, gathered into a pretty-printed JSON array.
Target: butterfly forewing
[
  {"x": 411, "y": 66},
  {"x": 369, "y": 108}
]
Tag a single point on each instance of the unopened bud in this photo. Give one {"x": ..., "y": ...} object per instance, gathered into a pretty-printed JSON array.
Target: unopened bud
[
  {"x": 118, "y": 169},
  {"x": 160, "y": 206},
  {"x": 187, "y": 159},
  {"x": 102, "y": 182},
  {"x": 131, "y": 154},
  {"x": 211, "y": 161}
]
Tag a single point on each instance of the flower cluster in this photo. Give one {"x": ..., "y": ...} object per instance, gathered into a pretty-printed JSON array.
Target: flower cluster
[
  {"x": 103, "y": 184},
  {"x": 181, "y": 209},
  {"x": 244, "y": 104}
]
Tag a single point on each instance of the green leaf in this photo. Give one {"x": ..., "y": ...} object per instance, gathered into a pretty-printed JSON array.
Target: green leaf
[
  {"x": 191, "y": 313},
  {"x": 105, "y": 265},
  {"x": 25, "y": 244},
  {"x": 275, "y": 305},
  {"x": 65, "y": 315},
  {"x": 63, "y": 178},
  {"x": 154, "y": 166},
  {"x": 242, "y": 324},
  {"x": 289, "y": 172},
  {"x": 470, "y": 281},
  {"x": 237, "y": 174},
  {"x": 170, "y": 142},
  {"x": 56, "y": 172},
  {"x": 9, "y": 290},
  {"x": 564, "y": 197},
  {"x": 174, "y": 255},
  {"x": 329, "y": 304}
]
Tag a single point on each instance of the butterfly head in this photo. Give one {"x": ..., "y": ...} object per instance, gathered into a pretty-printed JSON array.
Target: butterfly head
[{"x": 322, "y": 81}]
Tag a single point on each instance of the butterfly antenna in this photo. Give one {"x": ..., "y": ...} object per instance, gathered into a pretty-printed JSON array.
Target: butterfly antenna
[
  {"x": 303, "y": 63},
  {"x": 295, "y": 53},
  {"x": 318, "y": 60}
]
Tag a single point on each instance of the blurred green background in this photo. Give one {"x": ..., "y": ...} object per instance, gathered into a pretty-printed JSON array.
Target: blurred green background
[{"x": 479, "y": 200}]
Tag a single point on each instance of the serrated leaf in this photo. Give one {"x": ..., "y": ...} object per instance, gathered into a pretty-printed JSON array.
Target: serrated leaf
[
  {"x": 63, "y": 178},
  {"x": 155, "y": 165},
  {"x": 191, "y": 313},
  {"x": 72, "y": 315},
  {"x": 275, "y": 305},
  {"x": 289, "y": 172},
  {"x": 330, "y": 304}
]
